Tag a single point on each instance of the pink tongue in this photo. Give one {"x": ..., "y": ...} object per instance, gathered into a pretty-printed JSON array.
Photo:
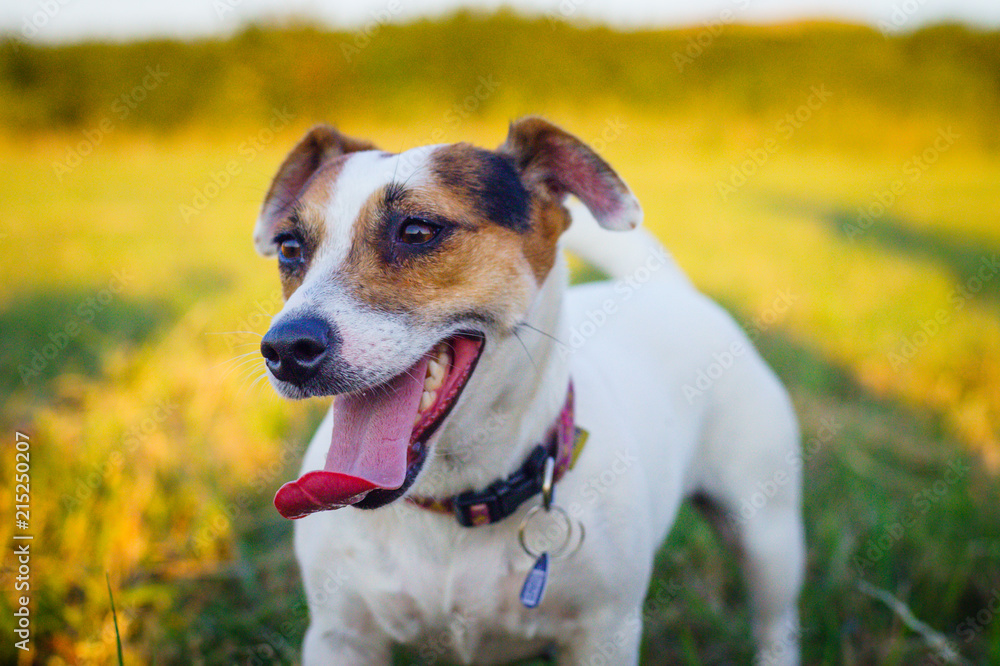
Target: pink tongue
[{"x": 371, "y": 436}]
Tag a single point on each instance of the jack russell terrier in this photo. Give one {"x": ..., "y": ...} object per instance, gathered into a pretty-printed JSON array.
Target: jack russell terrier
[{"x": 427, "y": 290}]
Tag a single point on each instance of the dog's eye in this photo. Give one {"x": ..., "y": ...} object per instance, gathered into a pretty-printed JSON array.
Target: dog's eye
[
  {"x": 415, "y": 231},
  {"x": 290, "y": 250}
]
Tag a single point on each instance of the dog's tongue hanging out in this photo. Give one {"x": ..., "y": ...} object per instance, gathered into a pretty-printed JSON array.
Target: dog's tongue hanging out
[
  {"x": 371, "y": 436},
  {"x": 377, "y": 434}
]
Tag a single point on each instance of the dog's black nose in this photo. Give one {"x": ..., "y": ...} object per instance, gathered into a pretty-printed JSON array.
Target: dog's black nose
[{"x": 294, "y": 350}]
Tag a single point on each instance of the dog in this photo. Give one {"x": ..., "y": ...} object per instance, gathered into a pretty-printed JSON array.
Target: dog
[{"x": 505, "y": 455}]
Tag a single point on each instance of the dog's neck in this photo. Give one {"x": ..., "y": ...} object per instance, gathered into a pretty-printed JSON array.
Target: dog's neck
[{"x": 510, "y": 403}]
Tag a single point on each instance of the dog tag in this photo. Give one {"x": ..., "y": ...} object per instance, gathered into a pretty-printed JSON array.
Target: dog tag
[{"x": 534, "y": 584}]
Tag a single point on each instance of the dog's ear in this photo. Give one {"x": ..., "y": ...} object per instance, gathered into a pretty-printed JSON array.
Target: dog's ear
[
  {"x": 320, "y": 144},
  {"x": 550, "y": 157}
]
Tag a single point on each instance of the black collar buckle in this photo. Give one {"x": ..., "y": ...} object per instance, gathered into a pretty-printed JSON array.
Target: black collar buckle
[{"x": 503, "y": 497}]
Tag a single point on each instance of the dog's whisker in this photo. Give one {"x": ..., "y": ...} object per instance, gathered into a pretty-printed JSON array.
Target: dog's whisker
[
  {"x": 239, "y": 368},
  {"x": 234, "y": 358},
  {"x": 525, "y": 347},
  {"x": 538, "y": 330},
  {"x": 259, "y": 335},
  {"x": 243, "y": 345},
  {"x": 244, "y": 392},
  {"x": 258, "y": 383},
  {"x": 249, "y": 363}
]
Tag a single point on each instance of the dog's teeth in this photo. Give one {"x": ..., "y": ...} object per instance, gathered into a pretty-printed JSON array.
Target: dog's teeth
[
  {"x": 438, "y": 374},
  {"x": 426, "y": 400},
  {"x": 431, "y": 384},
  {"x": 443, "y": 358}
]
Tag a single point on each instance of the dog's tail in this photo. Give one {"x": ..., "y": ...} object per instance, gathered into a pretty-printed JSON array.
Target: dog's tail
[{"x": 619, "y": 254}]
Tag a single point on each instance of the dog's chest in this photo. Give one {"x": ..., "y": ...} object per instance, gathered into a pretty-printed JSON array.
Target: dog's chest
[{"x": 463, "y": 605}]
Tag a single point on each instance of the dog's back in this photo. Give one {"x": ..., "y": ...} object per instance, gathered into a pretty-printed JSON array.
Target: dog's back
[{"x": 721, "y": 416}]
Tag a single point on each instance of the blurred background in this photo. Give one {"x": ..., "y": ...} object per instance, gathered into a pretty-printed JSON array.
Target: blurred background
[{"x": 829, "y": 172}]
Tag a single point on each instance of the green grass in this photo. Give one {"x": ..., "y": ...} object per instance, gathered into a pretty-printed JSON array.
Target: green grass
[
  {"x": 156, "y": 455},
  {"x": 114, "y": 618}
]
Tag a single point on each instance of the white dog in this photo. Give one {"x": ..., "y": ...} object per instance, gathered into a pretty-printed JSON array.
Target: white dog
[{"x": 428, "y": 291}]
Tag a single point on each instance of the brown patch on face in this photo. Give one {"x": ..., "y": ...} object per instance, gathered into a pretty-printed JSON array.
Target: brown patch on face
[
  {"x": 475, "y": 271},
  {"x": 497, "y": 242},
  {"x": 549, "y": 220}
]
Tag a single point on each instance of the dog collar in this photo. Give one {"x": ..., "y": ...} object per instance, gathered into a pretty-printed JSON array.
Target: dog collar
[{"x": 502, "y": 498}]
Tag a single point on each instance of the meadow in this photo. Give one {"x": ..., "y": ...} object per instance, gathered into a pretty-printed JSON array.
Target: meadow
[{"x": 840, "y": 201}]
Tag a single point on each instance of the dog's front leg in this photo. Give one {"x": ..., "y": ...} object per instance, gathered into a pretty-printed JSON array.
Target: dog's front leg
[
  {"x": 611, "y": 639},
  {"x": 325, "y": 645}
]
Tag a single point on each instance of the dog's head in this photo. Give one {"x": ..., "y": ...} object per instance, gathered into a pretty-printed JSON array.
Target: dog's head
[{"x": 397, "y": 270}]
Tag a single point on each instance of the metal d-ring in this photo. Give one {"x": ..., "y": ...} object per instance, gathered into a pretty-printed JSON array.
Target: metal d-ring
[
  {"x": 527, "y": 519},
  {"x": 562, "y": 552}
]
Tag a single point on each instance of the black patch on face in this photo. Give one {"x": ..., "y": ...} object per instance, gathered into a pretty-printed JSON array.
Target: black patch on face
[{"x": 491, "y": 180}]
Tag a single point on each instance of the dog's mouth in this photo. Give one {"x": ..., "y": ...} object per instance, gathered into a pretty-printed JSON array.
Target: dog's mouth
[{"x": 380, "y": 435}]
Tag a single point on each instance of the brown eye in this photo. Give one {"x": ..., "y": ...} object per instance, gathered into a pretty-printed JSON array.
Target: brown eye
[
  {"x": 415, "y": 231},
  {"x": 290, "y": 249}
]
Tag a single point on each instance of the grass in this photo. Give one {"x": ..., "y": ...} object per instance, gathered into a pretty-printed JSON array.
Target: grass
[
  {"x": 157, "y": 450},
  {"x": 114, "y": 618}
]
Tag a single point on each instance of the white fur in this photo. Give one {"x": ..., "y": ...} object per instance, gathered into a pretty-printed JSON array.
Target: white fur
[{"x": 401, "y": 574}]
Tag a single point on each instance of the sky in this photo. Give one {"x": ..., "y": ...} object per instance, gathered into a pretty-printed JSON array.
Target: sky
[{"x": 73, "y": 20}]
